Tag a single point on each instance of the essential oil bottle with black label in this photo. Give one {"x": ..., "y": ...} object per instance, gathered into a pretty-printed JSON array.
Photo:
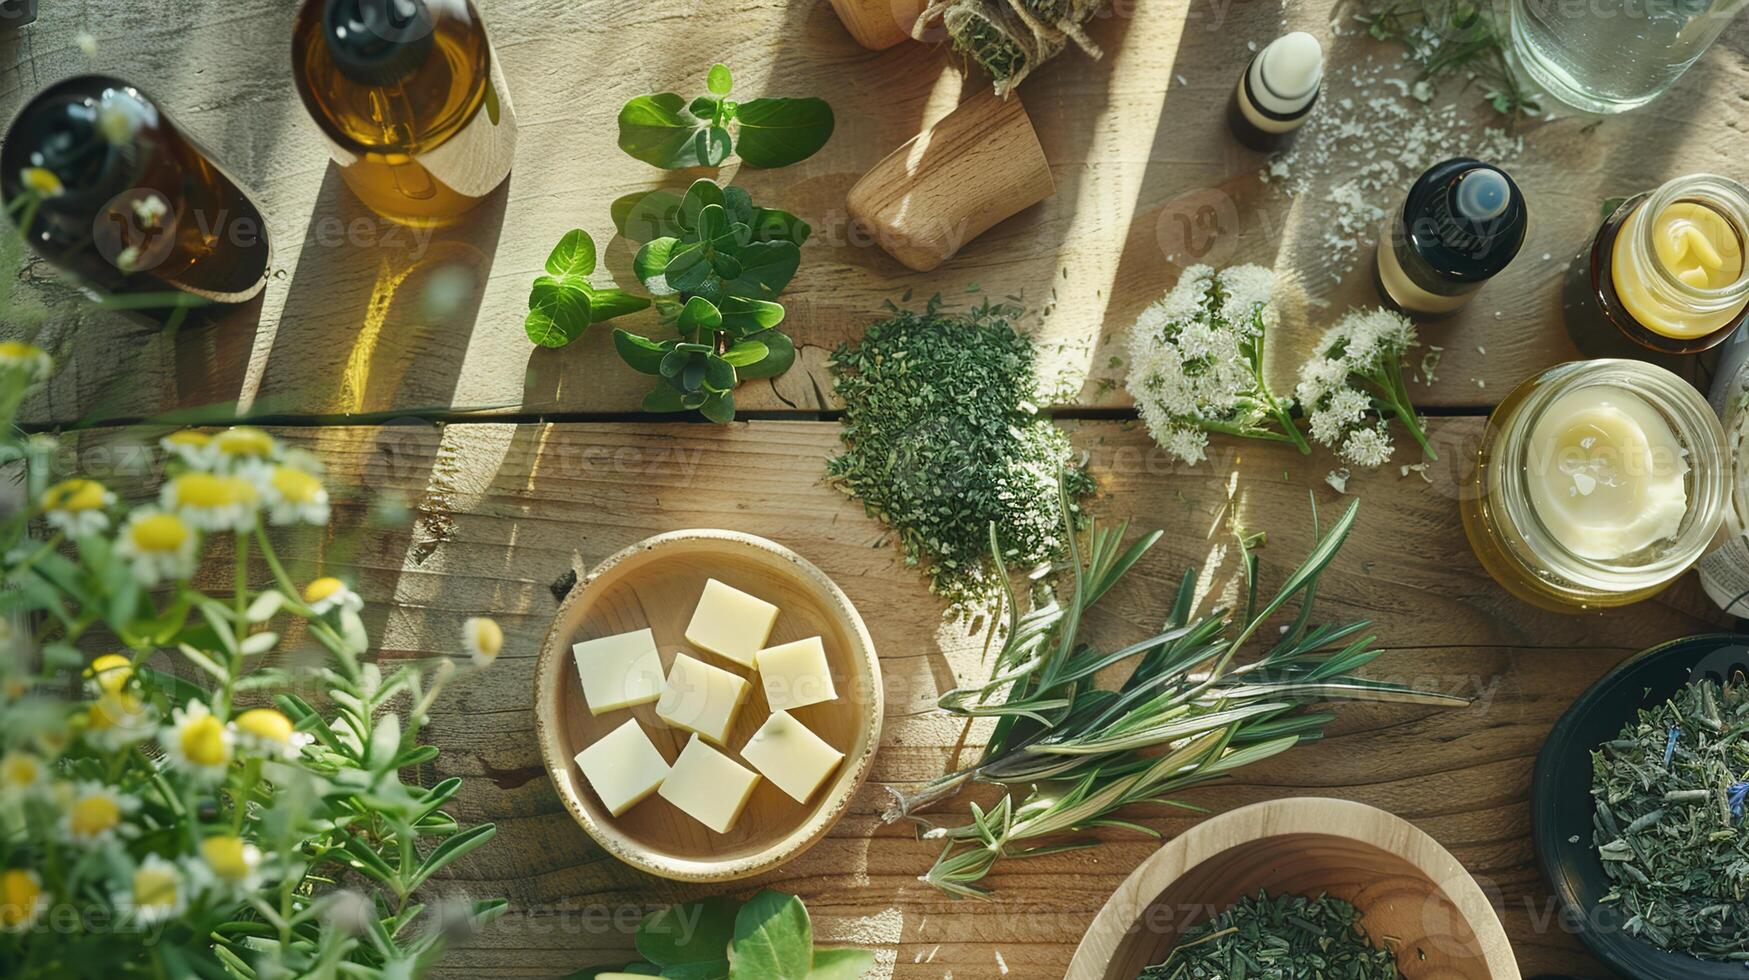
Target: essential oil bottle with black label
[
  {"x": 1277, "y": 91},
  {"x": 109, "y": 189},
  {"x": 412, "y": 101},
  {"x": 1461, "y": 223}
]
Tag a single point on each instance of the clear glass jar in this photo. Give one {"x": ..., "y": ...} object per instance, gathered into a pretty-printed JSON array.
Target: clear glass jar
[
  {"x": 1610, "y": 56},
  {"x": 1519, "y": 547},
  {"x": 1620, "y": 284}
]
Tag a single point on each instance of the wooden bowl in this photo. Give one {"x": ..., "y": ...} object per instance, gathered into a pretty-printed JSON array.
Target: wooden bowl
[
  {"x": 656, "y": 584},
  {"x": 1406, "y": 886}
]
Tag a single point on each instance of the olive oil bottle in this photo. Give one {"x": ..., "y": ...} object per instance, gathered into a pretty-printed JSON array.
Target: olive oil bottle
[
  {"x": 412, "y": 101},
  {"x": 109, "y": 189}
]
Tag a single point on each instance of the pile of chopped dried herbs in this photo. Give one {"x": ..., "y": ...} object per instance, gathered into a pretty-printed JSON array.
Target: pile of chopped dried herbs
[
  {"x": 944, "y": 439},
  {"x": 1288, "y": 937},
  {"x": 1670, "y": 793}
]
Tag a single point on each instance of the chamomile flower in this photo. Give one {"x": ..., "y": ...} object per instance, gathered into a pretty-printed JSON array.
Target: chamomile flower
[
  {"x": 198, "y": 743},
  {"x": 482, "y": 638},
  {"x": 115, "y": 721},
  {"x": 293, "y": 496},
  {"x": 109, "y": 674},
  {"x": 159, "y": 545},
  {"x": 328, "y": 593},
  {"x": 271, "y": 731},
  {"x": 43, "y": 181},
  {"x": 97, "y": 815},
  {"x": 193, "y": 448},
  {"x": 78, "y": 507},
  {"x": 244, "y": 444},
  {"x": 157, "y": 891},
  {"x": 29, "y": 359},
  {"x": 228, "y": 865},
  {"x": 212, "y": 501},
  {"x": 22, "y": 772},
  {"x": 22, "y": 899}
]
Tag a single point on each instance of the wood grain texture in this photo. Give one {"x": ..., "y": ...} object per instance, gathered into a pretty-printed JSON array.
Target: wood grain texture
[
  {"x": 501, "y": 513},
  {"x": 655, "y": 585},
  {"x": 367, "y": 319},
  {"x": 1404, "y": 885}
]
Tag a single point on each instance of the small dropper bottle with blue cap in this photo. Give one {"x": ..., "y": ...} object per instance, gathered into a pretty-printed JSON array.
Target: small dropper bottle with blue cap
[{"x": 1461, "y": 223}]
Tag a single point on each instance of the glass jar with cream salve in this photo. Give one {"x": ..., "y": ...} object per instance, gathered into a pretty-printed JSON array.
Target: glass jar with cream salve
[{"x": 1597, "y": 484}]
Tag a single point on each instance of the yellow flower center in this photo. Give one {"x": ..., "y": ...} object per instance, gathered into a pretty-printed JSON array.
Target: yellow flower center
[
  {"x": 19, "y": 893},
  {"x": 488, "y": 637},
  {"x": 203, "y": 741},
  {"x": 188, "y": 437},
  {"x": 92, "y": 815},
  {"x": 112, "y": 672},
  {"x": 229, "y": 857},
  {"x": 44, "y": 181},
  {"x": 154, "y": 887},
  {"x": 165, "y": 533},
  {"x": 266, "y": 723},
  {"x": 74, "y": 495},
  {"x": 113, "y": 710},
  {"x": 244, "y": 440},
  {"x": 12, "y": 350},
  {"x": 19, "y": 769},
  {"x": 296, "y": 485},
  {"x": 209, "y": 491},
  {"x": 322, "y": 588}
]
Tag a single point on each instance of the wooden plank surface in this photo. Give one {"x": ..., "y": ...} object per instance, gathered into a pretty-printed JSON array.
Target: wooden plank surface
[
  {"x": 499, "y": 513},
  {"x": 1148, "y": 179}
]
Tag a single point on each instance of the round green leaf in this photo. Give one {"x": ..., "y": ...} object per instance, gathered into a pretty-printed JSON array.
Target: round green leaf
[
  {"x": 651, "y": 263},
  {"x": 644, "y": 216},
  {"x": 688, "y": 269},
  {"x": 773, "y": 938},
  {"x": 719, "y": 375},
  {"x": 719, "y": 81},
  {"x": 779, "y": 356},
  {"x": 837, "y": 963},
  {"x": 766, "y": 267},
  {"x": 574, "y": 257},
  {"x": 746, "y": 352},
  {"x": 696, "y": 932},
  {"x": 744, "y": 316},
  {"x": 699, "y": 314},
  {"x": 779, "y": 132},
  {"x": 557, "y": 314},
  {"x": 719, "y": 407},
  {"x": 658, "y": 130},
  {"x": 641, "y": 353},
  {"x": 663, "y": 398},
  {"x": 703, "y": 193}
]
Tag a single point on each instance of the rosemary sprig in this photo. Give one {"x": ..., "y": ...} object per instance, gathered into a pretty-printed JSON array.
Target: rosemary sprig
[
  {"x": 1451, "y": 39},
  {"x": 1188, "y": 712}
]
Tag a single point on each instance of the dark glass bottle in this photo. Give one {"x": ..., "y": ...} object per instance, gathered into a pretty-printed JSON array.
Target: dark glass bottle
[
  {"x": 410, "y": 97},
  {"x": 126, "y": 201},
  {"x": 1461, "y": 223}
]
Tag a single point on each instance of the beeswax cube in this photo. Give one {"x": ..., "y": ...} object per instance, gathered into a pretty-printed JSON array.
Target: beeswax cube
[
  {"x": 730, "y": 623},
  {"x": 619, "y": 671},
  {"x": 623, "y": 767},
  {"x": 708, "y": 785}
]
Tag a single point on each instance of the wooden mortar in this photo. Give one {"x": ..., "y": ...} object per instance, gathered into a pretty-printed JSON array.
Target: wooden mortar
[
  {"x": 878, "y": 24},
  {"x": 980, "y": 164}
]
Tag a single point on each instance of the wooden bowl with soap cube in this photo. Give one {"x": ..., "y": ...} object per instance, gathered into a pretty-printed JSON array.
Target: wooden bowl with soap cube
[{"x": 707, "y": 703}]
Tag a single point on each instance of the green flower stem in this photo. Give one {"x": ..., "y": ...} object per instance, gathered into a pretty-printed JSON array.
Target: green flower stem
[{"x": 1397, "y": 397}]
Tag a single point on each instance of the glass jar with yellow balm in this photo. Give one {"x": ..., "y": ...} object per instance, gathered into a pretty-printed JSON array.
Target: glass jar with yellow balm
[
  {"x": 1598, "y": 483},
  {"x": 1667, "y": 268}
]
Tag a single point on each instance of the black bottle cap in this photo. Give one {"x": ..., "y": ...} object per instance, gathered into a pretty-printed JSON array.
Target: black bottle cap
[
  {"x": 1465, "y": 219},
  {"x": 378, "y": 42}
]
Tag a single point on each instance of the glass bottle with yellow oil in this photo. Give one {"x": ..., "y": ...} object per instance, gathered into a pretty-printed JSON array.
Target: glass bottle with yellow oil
[
  {"x": 108, "y": 188},
  {"x": 1597, "y": 484},
  {"x": 412, "y": 100},
  {"x": 1666, "y": 269}
]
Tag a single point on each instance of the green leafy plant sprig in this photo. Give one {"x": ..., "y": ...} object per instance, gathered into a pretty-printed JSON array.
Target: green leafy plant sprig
[
  {"x": 716, "y": 264},
  {"x": 769, "y": 937},
  {"x": 563, "y": 303},
  {"x": 664, "y": 130}
]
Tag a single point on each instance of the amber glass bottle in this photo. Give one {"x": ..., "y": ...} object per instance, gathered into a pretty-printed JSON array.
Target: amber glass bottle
[
  {"x": 411, "y": 99},
  {"x": 123, "y": 199}
]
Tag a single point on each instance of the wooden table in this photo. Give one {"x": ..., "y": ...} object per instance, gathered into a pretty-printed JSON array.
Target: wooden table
[{"x": 522, "y": 465}]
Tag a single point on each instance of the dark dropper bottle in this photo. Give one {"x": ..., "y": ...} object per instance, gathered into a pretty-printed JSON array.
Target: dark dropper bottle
[{"x": 1459, "y": 226}]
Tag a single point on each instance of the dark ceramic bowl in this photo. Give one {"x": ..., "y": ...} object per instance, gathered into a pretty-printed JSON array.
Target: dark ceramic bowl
[{"x": 1561, "y": 806}]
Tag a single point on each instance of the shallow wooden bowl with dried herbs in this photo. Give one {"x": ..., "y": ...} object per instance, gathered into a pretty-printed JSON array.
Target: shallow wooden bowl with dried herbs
[
  {"x": 1414, "y": 897},
  {"x": 1563, "y": 811}
]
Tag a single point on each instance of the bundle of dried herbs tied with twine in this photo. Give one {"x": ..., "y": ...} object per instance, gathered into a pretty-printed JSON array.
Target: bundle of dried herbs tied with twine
[{"x": 1010, "y": 38}]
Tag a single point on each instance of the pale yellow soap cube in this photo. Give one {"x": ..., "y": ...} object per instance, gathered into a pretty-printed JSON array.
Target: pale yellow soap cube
[
  {"x": 701, "y": 698},
  {"x": 730, "y": 623},
  {"x": 708, "y": 785},
  {"x": 795, "y": 759},
  {"x": 796, "y": 675},
  {"x": 623, "y": 767},
  {"x": 619, "y": 671}
]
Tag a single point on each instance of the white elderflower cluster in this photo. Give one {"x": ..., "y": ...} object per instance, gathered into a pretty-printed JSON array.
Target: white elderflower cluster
[
  {"x": 1196, "y": 362},
  {"x": 1354, "y": 384}
]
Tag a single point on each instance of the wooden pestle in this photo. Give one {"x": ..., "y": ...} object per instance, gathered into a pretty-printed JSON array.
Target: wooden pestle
[
  {"x": 980, "y": 164},
  {"x": 878, "y": 24}
]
